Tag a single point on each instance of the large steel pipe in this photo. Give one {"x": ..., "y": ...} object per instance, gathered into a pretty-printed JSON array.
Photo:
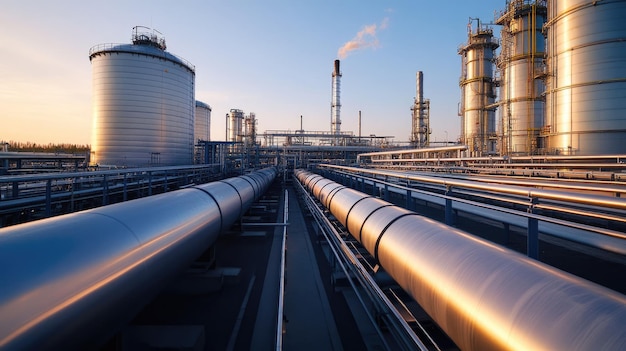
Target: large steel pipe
[
  {"x": 70, "y": 282},
  {"x": 484, "y": 296}
]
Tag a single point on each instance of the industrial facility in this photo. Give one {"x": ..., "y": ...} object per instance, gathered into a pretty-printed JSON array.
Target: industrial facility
[
  {"x": 511, "y": 238},
  {"x": 560, "y": 79}
]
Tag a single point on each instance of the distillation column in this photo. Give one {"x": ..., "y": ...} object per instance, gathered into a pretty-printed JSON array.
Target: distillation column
[
  {"x": 235, "y": 122},
  {"x": 250, "y": 129},
  {"x": 420, "y": 126},
  {"x": 335, "y": 105},
  {"x": 478, "y": 130},
  {"x": 234, "y": 128},
  {"x": 521, "y": 66}
]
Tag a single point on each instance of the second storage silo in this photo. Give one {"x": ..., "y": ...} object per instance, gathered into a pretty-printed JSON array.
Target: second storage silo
[
  {"x": 202, "y": 122},
  {"x": 586, "y": 77},
  {"x": 143, "y": 103}
]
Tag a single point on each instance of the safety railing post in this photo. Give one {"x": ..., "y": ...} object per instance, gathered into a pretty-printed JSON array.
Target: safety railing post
[
  {"x": 125, "y": 191},
  {"x": 449, "y": 213},
  {"x": 409, "y": 199},
  {"x": 105, "y": 190},
  {"x": 532, "y": 242},
  {"x": 373, "y": 186},
  {"x": 386, "y": 197},
  {"x": 149, "y": 183},
  {"x": 48, "y": 197}
]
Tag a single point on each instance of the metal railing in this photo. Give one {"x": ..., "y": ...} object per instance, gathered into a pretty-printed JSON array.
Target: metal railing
[
  {"x": 43, "y": 192},
  {"x": 281, "y": 289},
  {"x": 131, "y": 48}
]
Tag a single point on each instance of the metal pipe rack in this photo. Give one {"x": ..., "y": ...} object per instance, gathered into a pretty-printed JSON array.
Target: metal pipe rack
[{"x": 444, "y": 191}]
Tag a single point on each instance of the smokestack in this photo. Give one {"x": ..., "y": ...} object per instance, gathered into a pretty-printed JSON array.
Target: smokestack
[
  {"x": 420, "y": 87},
  {"x": 335, "y": 105},
  {"x": 420, "y": 125},
  {"x": 359, "y": 125}
]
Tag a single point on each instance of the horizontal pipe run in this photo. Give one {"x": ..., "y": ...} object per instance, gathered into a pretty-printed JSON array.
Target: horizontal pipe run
[
  {"x": 484, "y": 296},
  {"x": 70, "y": 282},
  {"x": 584, "y": 199},
  {"x": 605, "y": 239},
  {"x": 371, "y": 297}
]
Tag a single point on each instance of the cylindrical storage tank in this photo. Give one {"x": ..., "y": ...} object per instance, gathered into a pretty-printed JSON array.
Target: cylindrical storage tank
[
  {"x": 586, "y": 77},
  {"x": 478, "y": 129},
  {"x": 143, "y": 104},
  {"x": 520, "y": 64},
  {"x": 202, "y": 122},
  {"x": 235, "y": 125},
  {"x": 249, "y": 129}
]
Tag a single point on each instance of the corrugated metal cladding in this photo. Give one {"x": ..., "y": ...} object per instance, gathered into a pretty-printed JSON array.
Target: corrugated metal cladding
[
  {"x": 521, "y": 89},
  {"x": 143, "y": 106},
  {"x": 478, "y": 122},
  {"x": 202, "y": 128},
  {"x": 235, "y": 125},
  {"x": 586, "y": 77}
]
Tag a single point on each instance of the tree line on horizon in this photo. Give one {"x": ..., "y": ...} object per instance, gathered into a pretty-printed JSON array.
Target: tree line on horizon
[{"x": 66, "y": 148}]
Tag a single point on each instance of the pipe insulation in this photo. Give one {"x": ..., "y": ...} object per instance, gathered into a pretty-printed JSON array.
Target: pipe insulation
[
  {"x": 72, "y": 281},
  {"x": 484, "y": 296}
]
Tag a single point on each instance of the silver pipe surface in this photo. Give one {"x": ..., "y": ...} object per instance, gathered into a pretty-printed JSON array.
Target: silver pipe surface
[
  {"x": 71, "y": 282},
  {"x": 484, "y": 296}
]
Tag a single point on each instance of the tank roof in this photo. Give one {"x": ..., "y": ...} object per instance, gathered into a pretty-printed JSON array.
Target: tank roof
[
  {"x": 202, "y": 104},
  {"x": 145, "y": 41}
]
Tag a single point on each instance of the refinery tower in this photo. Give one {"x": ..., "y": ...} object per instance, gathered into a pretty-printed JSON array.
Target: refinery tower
[{"x": 335, "y": 105}]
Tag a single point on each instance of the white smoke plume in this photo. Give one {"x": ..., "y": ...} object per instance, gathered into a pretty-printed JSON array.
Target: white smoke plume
[{"x": 366, "y": 38}]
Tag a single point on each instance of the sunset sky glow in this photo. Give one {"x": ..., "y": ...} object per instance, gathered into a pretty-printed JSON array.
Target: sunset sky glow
[{"x": 274, "y": 58}]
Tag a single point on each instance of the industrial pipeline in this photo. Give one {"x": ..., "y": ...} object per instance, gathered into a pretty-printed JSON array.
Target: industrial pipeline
[
  {"x": 484, "y": 296},
  {"x": 71, "y": 282}
]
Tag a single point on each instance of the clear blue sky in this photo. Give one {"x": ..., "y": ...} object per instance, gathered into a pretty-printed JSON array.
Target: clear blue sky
[{"x": 274, "y": 58}]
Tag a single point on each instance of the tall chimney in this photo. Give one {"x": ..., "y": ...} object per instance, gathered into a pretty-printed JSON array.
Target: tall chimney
[
  {"x": 420, "y": 125},
  {"x": 359, "y": 125},
  {"x": 420, "y": 87},
  {"x": 335, "y": 105}
]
